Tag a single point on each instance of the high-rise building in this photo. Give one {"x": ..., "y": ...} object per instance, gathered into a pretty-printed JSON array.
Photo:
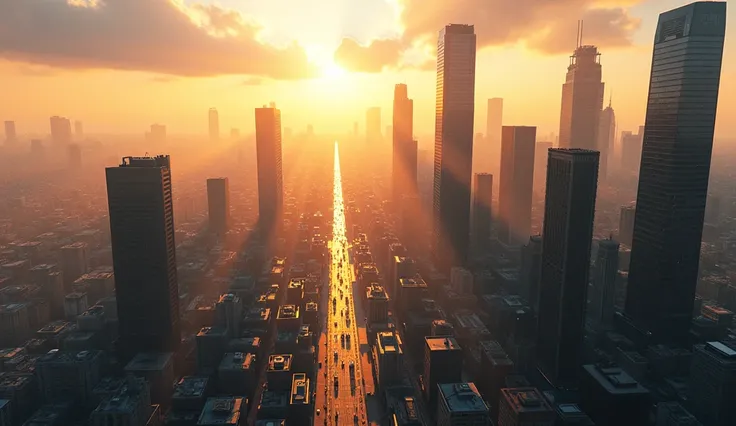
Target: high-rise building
[
  {"x": 605, "y": 274},
  {"x": 68, "y": 375},
  {"x": 482, "y": 201},
  {"x": 61, "y": 129},
  {"x": 10, "y": 135},
  {"x": 631, "y": 145},
  {"x": 144, "y": 254},
  {"x": 389, "y": 355},
  {"x": 404, "y": 171},
  {"x": 460, "y": 404},
  {"x": 626, "y": 224},
  {"x": 78, "y": 129},
  {"x": 74, "y": 155},
  {"x": 214, "y": 124},
  {"x": 453, "y": 143},
  {"x": 713, "y": 383},
  {"x": 218, "y": 203},
  {"x": 675, "y": 166},
  {"x": 270, "y": 173},
  {"x": 373, "y": 125},
  {"x": 130, "y": 405},
  {"x": 606, "y": 138},
  {"x": 531, "y": 269},
  {"x": 517, "y": 184},
  {"x": 582, "y": 99},
  {"x": 490, "y": 153},
  {"x": 74, "y": 262},
  {"x": 611, "y": 397},
  {"x": 443, "y": 363},
  {"x": 569, "y": 209}
]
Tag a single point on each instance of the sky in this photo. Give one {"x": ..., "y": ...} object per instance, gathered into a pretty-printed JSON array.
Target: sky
[{"x": 120, "y": 65}]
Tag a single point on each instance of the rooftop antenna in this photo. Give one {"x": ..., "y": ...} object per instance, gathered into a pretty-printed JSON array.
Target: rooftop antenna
[
  {"x": 577, "y": 36},
  {"x": 581, "y": 32},
  {"x": 610, "y": 99}
]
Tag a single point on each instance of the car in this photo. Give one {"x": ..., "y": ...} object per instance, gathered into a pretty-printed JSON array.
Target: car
[
  {"x": 318, "y": 411},
  {"x": 335, "y": 323},
  {"x": 342, "y": 365}
]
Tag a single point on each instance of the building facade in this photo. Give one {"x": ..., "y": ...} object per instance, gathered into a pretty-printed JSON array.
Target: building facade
[
  {"x": 518, "y": 144},
  {"x": 270, "y": 171}
]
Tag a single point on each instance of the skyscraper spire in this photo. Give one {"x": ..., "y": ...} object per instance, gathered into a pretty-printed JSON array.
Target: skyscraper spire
[{"x": 610, "y": 99}]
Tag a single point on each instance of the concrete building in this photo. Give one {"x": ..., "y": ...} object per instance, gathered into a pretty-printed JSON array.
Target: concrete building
[
  {"x": 443, "y": 363},
  {"x": 65, "y": 375},
  {"x": 713, "y": 383},
  {"x": 237, "y": 373},
  {"x": 611, "y": 397},
  {"x": 223, "y": 411},
  {"x": 460, "y": 404},
  {"x": 158, "y": 370},
  {"x": 389, "y": 355},
  {"x": 524, "y": 406},
  {"x": 131, "y": 406},
  {"x": 516, "y": 184},
  {"x": 218, "y": 204},
  {"x": 270, "y": 169},
  {"x": 377, "y": 304},
  {"x": 603, "y": 295}
]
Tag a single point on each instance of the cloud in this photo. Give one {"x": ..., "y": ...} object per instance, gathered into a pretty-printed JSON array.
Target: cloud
[
  {"x": 162, "y": 36},
  {"x": 371, "y": 58},
  {"x": 547, "y": 26}
]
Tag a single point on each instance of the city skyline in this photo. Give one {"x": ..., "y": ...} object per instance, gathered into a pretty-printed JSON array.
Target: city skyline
[{"x": 174, "y": 97}]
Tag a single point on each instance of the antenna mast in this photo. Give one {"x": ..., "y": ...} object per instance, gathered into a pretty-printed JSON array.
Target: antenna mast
[{"x": 581, "y": 33}]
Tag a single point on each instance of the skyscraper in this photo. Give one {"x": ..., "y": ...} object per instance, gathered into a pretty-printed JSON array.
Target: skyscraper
[
  {"x": 631, "y": 145},
  {"x": 531, "y": 269},
  {"x": 10, "y": 134},
  {"x": 482, "y": 201},
  {"x": 675, "y": 165},
  {"x": 404, "y": 171},
  {"x": 569, "y": 209},
  {"x": 626, "y": 224},
  {"x": 373, "y": 125},
  {"x": 61, "y": 129},
  {"x": 582, "y": 99},
  {"x": 214, "y": 122},
  {"x": 517, "y": 184},
  {"x": 144, "y": 254},
  {"x": 78, "y": 129},
  {"x": 453, "y": 143},
  {"x": 268, "y": 153},
  {"x": 606, "y": 137},
  {"x": 605, "y": 274},
  {"x": 218, "y": 203},
  {"x": 540, "y": 165},
  {"x": 490, "y": 154}
]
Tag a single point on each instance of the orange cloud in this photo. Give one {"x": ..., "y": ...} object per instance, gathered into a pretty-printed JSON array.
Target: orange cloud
[
  {"x": 547, "y": 26},
  {"x": 161, "y": 36}
]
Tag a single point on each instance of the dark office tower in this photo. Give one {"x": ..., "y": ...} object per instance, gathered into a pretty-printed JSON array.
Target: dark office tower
[
  {"x": 713, "y": 383},
  {"x": 531, "y": 269},
  {"x": 606, "y": 137},
  {"x": 74, "y": 153},
  {"x": 453, "y": 143},
  {"x": 569, "y": 208},
  {"x": 404, "y": 171},
  {"x": 270, "y": 175},
  {"x": 373, "y": 125},
  {"x": 61, "y": 130},
  {"x": 626, "y": 224},
  {"x": 603, "y": 295},
  {"x": 218, "y": 203},
  {"x": 491, "y": 153},
  {"x": 631, "y": 145},
  {"x": 78, "y": 129},
  {"x": 517, "y": 184},
  {"x": 443, "y": 363},
  {"x": 675, "y": 164},
  {"x": 214, "y": 122},
  {"x": 144, "y": 254},
  {"x": 10, "y": 135},
  {"x": 482, "y": 201},
  {"x": 582, "y": 100}
]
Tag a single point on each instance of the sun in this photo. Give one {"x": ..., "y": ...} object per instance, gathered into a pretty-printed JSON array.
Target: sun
[{"x": 332, "y": 70}]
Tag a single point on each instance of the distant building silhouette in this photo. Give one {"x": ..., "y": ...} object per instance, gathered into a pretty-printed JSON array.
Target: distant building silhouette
[
  {"x": 582, "y": 100},
  {"x": 605, "y": 274},
  {"x": 626, "y": 224},
  {"x": 517, "y": 184},
  {"x": 404, "y": 170},
  {"x": 10, "y": 135},
  {"x": 270, "y": 172},
  {"x": 61, "y": 130},
  {"x": 78, "y": 129},
  {"x": 74, "y": 153},
  {"x": 606, "y": 138},
  {"x": 144, "y": 254},
  {"x": 675, "y": 167},
  {"x": 157, "y": 134},
  {"x": 214, "y": 124},
  {"x": 453, "y": 144},
  {"x": 540, "y": 165},
  {"x": 569, "y": 209},
  {"x": 218, "y": 204},
  {"x": 631, "y": 145}
]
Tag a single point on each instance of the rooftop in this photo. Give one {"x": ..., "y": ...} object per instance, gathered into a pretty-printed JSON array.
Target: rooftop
[
  {"x": 442, "y": 344},
  {"x": 288, "y": 312},
  {"x": 237, "y": 361},
  {"x": 190, "y": 387},
  {"x": 221, "y": 411},
  {"x": 150, "y": 361},
  {"x": 462, "y": 398},
  {"x": 388, "y": 342},
  {"x": 274, "y": 399},
  {"x": 525, "y": 400},
  {"x": 279, "y": 362},
  {"x": 615, "y": 380},
  {"x": 299, "y": 389},
  {"x": 56, "y": 356}
]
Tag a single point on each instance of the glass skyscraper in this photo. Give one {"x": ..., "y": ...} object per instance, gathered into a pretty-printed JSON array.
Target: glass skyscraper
[
  {"x": 270, "y": 172},
  {"x": 453, "y": 143},
  {"x": 675, "y": 165}
]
